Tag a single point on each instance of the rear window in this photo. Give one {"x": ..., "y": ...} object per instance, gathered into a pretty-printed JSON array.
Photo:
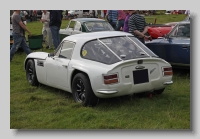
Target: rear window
[
  {"x": 126, "y": 49},
  {"x": 94, "y": 50}
]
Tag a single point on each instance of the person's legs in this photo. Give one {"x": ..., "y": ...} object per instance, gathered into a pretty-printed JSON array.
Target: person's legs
[
  {"x": 58, "y": 36},
  {"x": 49, "y": 37},
  {"x": 24, "y": 46},
  {"x": 120, "y": 23},
  {"x": 113, "y": 24},
  {"x": 55, "y": 32},
  {"x": 17, "y": 42},
  {"x": 44, "y": 33}
]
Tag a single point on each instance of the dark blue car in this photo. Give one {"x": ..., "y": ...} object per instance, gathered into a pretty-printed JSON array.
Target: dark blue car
[{"x": 175, "y": 46}]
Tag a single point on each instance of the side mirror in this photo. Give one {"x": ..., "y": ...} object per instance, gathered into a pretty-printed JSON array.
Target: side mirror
[{"x": 166, "y": 36}]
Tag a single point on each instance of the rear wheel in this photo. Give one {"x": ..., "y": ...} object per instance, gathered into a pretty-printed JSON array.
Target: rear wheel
[
  {"x": 31, "y": 73},
  {"x": 160, "y": 91},
  {"x": 82, "y": 91}
]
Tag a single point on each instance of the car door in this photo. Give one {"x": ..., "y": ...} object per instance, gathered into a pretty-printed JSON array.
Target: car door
[
  {"x": 77, "y": 28},
  {"x": 176, "y": 48},
  {"x": 57, "y": 66}
]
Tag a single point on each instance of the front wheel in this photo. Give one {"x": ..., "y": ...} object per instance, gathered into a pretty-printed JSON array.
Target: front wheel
[
  {"x": 82, "y": 91},
  {"x": 31, "y": 73}
]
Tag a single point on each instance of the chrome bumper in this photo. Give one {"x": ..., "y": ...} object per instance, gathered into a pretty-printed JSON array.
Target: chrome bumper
[
  {"x": 106, "y": 92},
  {"x": 168, "y": 83}
]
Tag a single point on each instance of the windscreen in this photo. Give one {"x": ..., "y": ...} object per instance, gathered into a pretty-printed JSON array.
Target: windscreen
[{"x": 98, "y": 26}]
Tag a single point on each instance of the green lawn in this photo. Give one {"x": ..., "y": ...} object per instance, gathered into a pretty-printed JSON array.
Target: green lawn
[{"x": 44, "y": 107}]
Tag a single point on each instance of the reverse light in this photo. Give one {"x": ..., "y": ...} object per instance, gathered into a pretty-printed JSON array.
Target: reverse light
[
  {"x": 110, "y": 79},
  {"x": 167, "y": 71}
]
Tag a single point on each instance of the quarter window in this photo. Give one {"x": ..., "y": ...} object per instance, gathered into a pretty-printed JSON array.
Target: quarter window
[{"x": 66, "y": 50}]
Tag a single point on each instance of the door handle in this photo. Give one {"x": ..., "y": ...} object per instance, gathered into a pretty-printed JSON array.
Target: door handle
[
  {"x": 185, "y": 46},
  {"x": 65, "y": 66}
]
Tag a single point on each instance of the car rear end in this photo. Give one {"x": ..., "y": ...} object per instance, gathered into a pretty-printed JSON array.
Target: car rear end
[
  {"x": 135, "y": 76},
  {"x": 139, "y": 70}
]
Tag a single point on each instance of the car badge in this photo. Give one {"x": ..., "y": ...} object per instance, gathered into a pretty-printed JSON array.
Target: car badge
[{"x": 139, "y": 67}]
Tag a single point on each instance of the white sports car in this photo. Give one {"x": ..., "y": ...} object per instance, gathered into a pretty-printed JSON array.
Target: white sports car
[{"x": 99, "y": 65}]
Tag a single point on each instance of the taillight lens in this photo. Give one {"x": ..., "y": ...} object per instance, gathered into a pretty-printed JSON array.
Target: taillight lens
[
  {"x": 167, "y": 71},
  {"x": 110, "y": 79}
]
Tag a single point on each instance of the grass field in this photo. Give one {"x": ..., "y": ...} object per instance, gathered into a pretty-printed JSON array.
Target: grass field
[{"x": 44, "y": 107}]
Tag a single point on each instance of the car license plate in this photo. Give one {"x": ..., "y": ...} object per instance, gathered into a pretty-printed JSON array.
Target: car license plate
[
  {"x": 11, "y": 41},
  {"x": 140, "y": 76}
]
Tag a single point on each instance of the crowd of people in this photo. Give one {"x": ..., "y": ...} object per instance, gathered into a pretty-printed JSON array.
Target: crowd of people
[
  {"x": 51, "y": 20},
  {"x": 121, "y": 20},
  {"x": 129, "y": 21}
]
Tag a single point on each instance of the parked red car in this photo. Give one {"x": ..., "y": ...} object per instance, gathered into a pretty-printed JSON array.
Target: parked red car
[
  {"x": 156, "y": 31},
  {"x": 159, "y": 30}
]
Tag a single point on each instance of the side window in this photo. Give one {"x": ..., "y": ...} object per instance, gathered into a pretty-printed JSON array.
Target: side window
[
  {"x": 182, "y": 30},
  {"x": 94, "y": 50},
  {"x": 72, "y": 24},
  {"x": 66, "y": 50},
  {"x": 77, "y": 26}
]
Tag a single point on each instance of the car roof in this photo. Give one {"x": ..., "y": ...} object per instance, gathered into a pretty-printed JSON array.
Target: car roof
[
  {"x": 94, "y": 35},
  {"x": 184, "y": 22},
  {"x": 87, "y": 19}
]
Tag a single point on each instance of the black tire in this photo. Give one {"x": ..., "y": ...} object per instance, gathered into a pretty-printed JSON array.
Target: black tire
[
  {"x": 31, "y": 73},
  {"x": 82, "y": 91},
  {"x": 160, "y": 91}
]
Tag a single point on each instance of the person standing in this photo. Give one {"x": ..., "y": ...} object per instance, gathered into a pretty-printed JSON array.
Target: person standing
[
  {"x": 137, "y": 26},
  {"x": 102, "y": 14},
  {"x": 111, "y": 16},
  {"x": 105, "y": 12},
  {"x": 125, "y": 27},
  {"x": 46, "y": 32},
  {"x": 55, "y": 23},
  {"x": 66, "y": 14},
  {"x": 93, "y": 14},
  {"x": 120, "y": 19},
  {"x": 19, "y": 34}
]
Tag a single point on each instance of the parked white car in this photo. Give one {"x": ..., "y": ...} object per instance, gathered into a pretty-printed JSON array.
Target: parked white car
[
  {"x": 81, "y": 13},
  {"x": 99, "y": 65},
  {"x": 85, "y": 25}
]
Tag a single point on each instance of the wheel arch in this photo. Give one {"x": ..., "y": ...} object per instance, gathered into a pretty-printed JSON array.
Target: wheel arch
[
  {"x": 76, "y": 71},
  {"x": 25, "y": 63}
]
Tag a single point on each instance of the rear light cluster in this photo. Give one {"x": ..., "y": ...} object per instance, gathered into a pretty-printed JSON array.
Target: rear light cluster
[
  {"x": 167, "y": 71},
  {"x": 110, "y": 79}
]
